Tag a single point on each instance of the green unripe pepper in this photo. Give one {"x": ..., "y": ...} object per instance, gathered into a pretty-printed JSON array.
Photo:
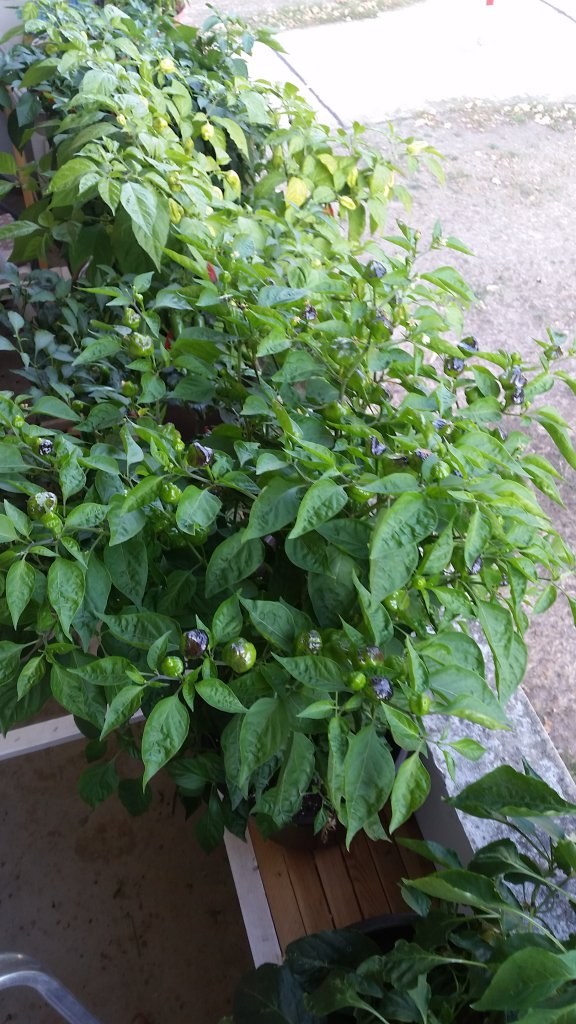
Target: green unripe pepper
[{"x": 239, "y": 655}]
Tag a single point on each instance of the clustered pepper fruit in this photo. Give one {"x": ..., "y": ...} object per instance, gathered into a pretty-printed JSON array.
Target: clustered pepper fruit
[
  {"x": 172, "y": 667},
  {"x": 239, "y": 655},
  {"x": 41, "y": 503}
]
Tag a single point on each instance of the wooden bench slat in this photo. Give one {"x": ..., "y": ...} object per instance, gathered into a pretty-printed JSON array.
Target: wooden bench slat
[
  {"x": 337, "y": 885},
  {"x": 308, "y": 890},
  {"x": 367, "y": 885},
  {"x": 278, "y": 887},
  {"x": 390, "y": 867}
]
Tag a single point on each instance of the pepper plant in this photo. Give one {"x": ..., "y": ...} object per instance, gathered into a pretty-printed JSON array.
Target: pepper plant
[{"x": 263, "y": 488}]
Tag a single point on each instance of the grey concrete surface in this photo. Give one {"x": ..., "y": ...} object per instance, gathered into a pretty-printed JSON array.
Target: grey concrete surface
[{"x": 436, "y": 51}]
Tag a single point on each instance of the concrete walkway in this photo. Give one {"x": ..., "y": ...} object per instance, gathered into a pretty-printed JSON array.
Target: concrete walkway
[{"x": 434, "y": 51}]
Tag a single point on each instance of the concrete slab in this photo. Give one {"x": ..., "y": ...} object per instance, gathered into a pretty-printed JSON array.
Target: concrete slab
[{"x": 436, "y": 51}]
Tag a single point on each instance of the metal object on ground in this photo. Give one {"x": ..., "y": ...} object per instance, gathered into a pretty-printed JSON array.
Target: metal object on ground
[{"x": 19, "y": 971}]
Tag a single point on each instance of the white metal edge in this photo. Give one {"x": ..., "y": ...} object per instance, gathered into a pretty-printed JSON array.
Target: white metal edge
[
  {"x": 31, "y": 738},
  {"x": 258, "y": 921}
]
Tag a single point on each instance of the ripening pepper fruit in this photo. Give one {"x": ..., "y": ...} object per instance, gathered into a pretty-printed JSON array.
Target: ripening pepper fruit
[
  {"x": 239, "y": 655},
  {"x": 347, "y": 203},
  {"x": 199, "y": 455},
  {"x": 309, "y": 642},
  {"x": 359, "y": 495},
  {"x": 352, "y": 177},
  {"x": 174, "y": 180},
  {"x": 52, "y": 522},
  {"x": 18, "y": 422},
  {"x": 44, "y": 446},
  {"x": 131, "y": 318},
  {"x": 140, "y": 345},
  {"x": 357, "y": 681},
  {"x": 419, "y": 703},
  {"x": 160, "y": 124},
  {"x": 369, "y": 658},
  {"x": 233, "y": 181},
  {"x": 172, "y": 667},
  {"x": 170, "y": 494},
  {"x": 207, "y": 131},
  {"x": 167, "y": 65},
  {"x": 128, "y": 388},
  {"x": 175, "y": 211},
  {"x": 121, "y": 120},
  {"x": 194, "y": 644},
  {"x": 41, "y": 503},
  {"x": 297, "y": 192}
]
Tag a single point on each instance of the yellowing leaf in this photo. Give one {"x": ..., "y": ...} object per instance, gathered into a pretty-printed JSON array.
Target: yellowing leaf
[{"x": 297, "y": 192}]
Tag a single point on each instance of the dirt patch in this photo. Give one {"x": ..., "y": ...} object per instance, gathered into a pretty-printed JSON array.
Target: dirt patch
[{"x": 510, "y": 195}]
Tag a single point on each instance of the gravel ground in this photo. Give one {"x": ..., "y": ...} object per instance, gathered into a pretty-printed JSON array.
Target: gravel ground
[{"x": 279, "y": 14}]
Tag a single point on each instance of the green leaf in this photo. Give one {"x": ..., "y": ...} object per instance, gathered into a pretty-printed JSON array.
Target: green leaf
[
  {"x": 322, "y": 501},
  {"x": 318, "y": 709},
  {"x": 315, "y": 671},
  {"x": 197, "y": 509},
  {"x": 508, "y": 648},
  {"x": 7, "y": 529},
  {"x": 97, "y": 351},
  {"x": 165, "y": 731},
  {"x": 77, "y": 696},
  {"x": 32, "y": 673},
  {"x": 557, "y": 428},
  {"x": 368, "y": 779},
  {"x": 233, "y": 560},
  {"x": 468, "y": 748},
  {"x": 394, "y": 547},
  {"x": 283, "y": 801},
  {"x": 127, "y": 566},
  {"x": 275, "y": 507},
  {"x": 478, "y": 535},
  {"x": 149, "y": 215},
  {"x": 143, "y": 494},
  {"x": 10, "y": 459},
  {"x": 506, "y": 793},
  {"x": 98, "y": 782},
  {"x": 50, "y": 406},
  {"x": 459, "y": 886},
  {"x": 122, "y": 707},
  {"x": 526, "y": 978},
  {"x": 338, "y": 740},
  {"x": 264, "y": 733},
  {"x": 545, "y": 600},
  {"x": 86, "y": 516},
  {"x": 227, "y": 621},
  {"x": 411, "y": 787},
  {"x": 20, "y": 582},
  {"x": 112, "y": 671},
  {"x": 123, "y": 526},
  {"x": 17, "y": 229},
  {"x": 278, "y": 623},
  {"x": 70, "y": 174},
  {"x": 219, "y": 695},
  {"x": 65, "y": 590},
  {"x": 141, "y": 629}
]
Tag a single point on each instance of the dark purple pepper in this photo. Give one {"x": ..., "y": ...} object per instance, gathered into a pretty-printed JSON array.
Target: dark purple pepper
[
  {"x": 517, "y": 378},
  {"x": 518, "y": 396},
  {"x": 381, "y": 318},
  {"x": 382, "y": 687},
  {"x": 439, "y": 423},
  {"x": 194, "y": 644},
  {"x": 422, "y": 453},
  {"x": 475, "y": 567},
  {"x": 452, "y": 367},
  {"x": 377, "y": 447},
  {"x": 45, "y": 447},
  {"x": 310, "y": 313},
  {"x": 377, "y": 269},
  {"x": 199, "y": 455},
  {"x": 469, "y": 344}
]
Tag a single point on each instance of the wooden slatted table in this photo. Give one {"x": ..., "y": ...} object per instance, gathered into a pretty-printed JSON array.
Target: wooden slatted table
[{"x": 285, "y": 894}]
